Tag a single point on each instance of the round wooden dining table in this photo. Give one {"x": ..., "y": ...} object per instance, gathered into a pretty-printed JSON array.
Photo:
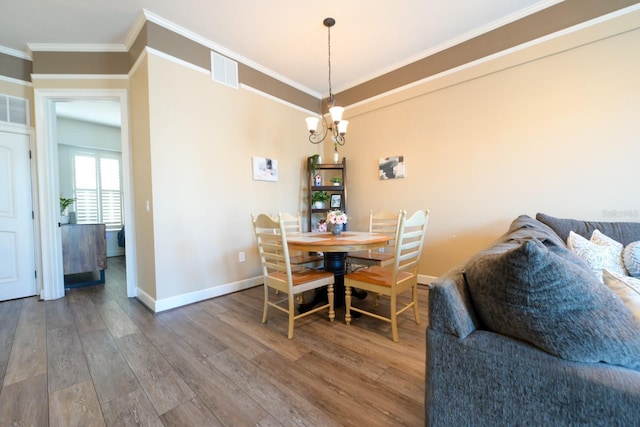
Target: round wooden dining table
[{"x": 335, "y": 249}]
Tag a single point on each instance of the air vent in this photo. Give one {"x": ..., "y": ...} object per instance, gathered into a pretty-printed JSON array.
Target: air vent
[
  {"x": 224, "y": 70},
  {"x": 14, "y": 110}
]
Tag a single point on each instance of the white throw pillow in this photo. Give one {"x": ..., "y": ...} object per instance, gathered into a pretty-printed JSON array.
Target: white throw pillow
[
  {"x": 599, "y": 253},
  {"x": 631, "y": 258},
  {"x": 627, "y": 288}
]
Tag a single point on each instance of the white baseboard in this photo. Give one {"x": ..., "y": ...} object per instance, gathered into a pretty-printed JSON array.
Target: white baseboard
[
  {"x": 179, "y": 300},
  {"x": 425, "y": 280},
  {"x": 189, "y": 298}
]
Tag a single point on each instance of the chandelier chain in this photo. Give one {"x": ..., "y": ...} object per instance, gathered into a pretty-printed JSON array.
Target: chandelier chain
[{"x": 329, "y": 50}]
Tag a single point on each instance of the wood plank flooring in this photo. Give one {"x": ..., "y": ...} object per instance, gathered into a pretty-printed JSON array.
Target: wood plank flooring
[{"x": 97, "y": 358}]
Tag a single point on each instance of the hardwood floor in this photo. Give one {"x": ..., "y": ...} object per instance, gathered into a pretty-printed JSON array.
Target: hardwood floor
[{"x": 98, "y": 358}]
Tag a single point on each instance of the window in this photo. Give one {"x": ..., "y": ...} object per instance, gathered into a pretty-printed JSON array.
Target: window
[{"x": 97, "y": 189}]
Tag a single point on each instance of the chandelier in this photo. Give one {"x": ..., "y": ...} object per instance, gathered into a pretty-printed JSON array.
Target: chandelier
[{"x": 338, "y": 127}]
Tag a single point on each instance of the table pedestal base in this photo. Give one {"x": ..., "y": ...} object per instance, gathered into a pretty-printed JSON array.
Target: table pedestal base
[{"x": 335, "y": 263}]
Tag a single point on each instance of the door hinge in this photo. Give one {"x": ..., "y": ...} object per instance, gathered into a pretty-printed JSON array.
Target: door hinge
[
  {"x": 33, "y": 216},
  {"x": 29, "y": 153},
  {"x": 35, "y": 274}
]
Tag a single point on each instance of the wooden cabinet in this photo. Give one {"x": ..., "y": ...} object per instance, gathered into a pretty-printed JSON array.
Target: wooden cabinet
[
  {"x": 84, "y": 249},
  {"x": 337, "y": 193}
]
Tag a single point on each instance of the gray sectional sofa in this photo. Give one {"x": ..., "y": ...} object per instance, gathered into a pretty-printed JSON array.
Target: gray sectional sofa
[{"x": 521, "y": 335}]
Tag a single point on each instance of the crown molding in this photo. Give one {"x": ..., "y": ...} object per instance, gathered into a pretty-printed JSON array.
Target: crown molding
[
  {"x": 15, "y": 81},
  {"x": 78, "y": 77},
  {"x": 451, "y": 43},
  {"x": 16, "y": 53},
  {"x": 151, "y": 17},
  {"x": 75, "y": 47},
  {"x": 135, "y": 29}
]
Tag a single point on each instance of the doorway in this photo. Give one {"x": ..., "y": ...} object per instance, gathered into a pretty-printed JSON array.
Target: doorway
[{"x": 46, "y": 102}]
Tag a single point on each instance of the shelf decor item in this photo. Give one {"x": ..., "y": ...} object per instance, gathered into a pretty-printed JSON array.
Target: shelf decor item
[
  {"x": 319, "y": 198},
  {"x": 335, "y": 221}
]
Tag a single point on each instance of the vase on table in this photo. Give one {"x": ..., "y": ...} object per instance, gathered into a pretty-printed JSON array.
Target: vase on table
[{"x": 336, "y": 229}]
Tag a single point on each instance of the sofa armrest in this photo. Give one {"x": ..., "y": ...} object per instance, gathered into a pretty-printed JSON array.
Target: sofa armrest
[
  {"x": 450, "y": 307},
  {"x": 490, "y": 379}
]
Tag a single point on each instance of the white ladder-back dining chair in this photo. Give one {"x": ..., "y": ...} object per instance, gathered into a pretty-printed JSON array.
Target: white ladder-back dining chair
[
  {"x": 401, "y": 276},
  {"x": 278, "y": 275},
  {"x": 293, "y": 224},
  {"x": 384, "y": 222}
]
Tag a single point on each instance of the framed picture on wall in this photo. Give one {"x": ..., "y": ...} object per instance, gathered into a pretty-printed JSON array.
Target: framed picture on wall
[
  {"x": 265, "y": 169},
  {"x": 392, "y": 167},
  {"x": 336, "y": 201}
]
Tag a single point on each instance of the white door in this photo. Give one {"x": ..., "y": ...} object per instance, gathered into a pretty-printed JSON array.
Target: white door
[{"x": 17, "y": 259}]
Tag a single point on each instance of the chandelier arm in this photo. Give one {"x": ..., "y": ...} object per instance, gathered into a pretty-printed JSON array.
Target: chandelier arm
[
  {"x": 339, "y": 139},
  {"x": 317, "y": 138}
]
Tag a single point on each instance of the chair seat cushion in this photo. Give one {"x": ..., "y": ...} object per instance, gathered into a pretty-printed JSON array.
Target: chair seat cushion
[
  {"x": 377, "y": 275},
  {"x": 302, "y": 276}
]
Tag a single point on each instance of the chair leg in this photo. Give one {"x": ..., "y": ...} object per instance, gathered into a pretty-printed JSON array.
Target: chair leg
[
  {"x": 347, "y": 304},
  {"x": 291, "y": 316},
  {"x": 330, "y": 297},
  {"x": 266, "y": 304},
  {"x": 394, "y": 317},
  {"x": 415, "y": 304}
]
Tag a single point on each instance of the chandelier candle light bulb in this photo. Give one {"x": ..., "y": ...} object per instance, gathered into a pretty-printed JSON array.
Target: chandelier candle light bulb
[{"x": 338, "y": 127}]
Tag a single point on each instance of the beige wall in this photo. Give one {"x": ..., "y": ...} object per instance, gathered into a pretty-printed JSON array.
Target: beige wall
[
  {"x": 142, "y": 186},
  {"x": 559, "y": 134},
  {"x": 203, "y": 136}
]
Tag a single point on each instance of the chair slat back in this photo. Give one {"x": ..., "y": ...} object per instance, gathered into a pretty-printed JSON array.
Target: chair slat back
[
  {"x": 385, "y": 222},
  {"x": 272, "y": 245},
  {"x": 409, "y": 242},
  {"x": 292, "y": 224}
]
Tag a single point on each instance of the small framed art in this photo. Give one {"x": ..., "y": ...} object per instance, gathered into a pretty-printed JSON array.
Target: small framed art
[
  {"x": 265, "y": 169},
  {"x": 336, "y": 201},
  {"x": 391, "y": 167}
]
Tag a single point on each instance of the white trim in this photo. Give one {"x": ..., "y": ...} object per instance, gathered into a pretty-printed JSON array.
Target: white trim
[
  {"x": 137, "y": 63},
  {"x": 278, "y": 100},
  {"x": 135, "y": 29},
  {"x": 497, "y": 55},
  {"x": 15, "y": 81},
  {"x": 51, "y": 246},
  {"x": 197, "y": 296},
  {"x": 450, "y": 43},
  {"x": 76, "y": 47},
  {"x": 425, "y": 280},
  {"x": 79, "y": 76},
  {"x": 171, "y": 58},
  {"x": 224, "y": 51},
  {"x": 14, "y": 52}
]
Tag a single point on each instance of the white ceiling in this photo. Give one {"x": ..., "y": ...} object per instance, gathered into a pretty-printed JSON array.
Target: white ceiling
[{"x": 284, "y": 36}]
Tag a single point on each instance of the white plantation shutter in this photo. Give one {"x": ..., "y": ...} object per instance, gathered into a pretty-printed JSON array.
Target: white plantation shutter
[
  {"x": 98, "y": 191},
  {"x": 86, "y": 188},
  {"x": 111, "y": 198}
]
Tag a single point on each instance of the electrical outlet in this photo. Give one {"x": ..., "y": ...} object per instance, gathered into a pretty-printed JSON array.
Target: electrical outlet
[{"x": 241, "y": 256}]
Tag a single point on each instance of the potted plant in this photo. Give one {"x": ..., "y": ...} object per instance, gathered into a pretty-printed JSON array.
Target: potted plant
[
  {"x": 319, "y": 198},
  {"x": 336, "y": 180},
  {"x": 314, "y": 160},
  {"x": 64, "y": 204}
]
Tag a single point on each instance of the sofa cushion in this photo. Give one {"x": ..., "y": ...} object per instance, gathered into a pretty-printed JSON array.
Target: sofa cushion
[
  {"x": 544, "y": 295},
  {"x": 623, "y": 232},
  {"x": 598, "y": 253},
  {"x": 631, "y": 258},
  {"x": 627, "y": 288},
  {"x": 525, "y": 227}
]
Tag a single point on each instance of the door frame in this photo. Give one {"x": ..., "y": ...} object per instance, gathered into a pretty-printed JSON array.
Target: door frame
[{"x": 52, "y": 274}]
